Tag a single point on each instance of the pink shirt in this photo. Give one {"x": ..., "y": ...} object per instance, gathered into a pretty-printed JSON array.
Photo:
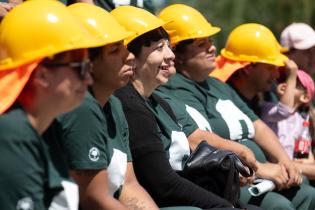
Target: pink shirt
[{"x": 285, "y": 122}]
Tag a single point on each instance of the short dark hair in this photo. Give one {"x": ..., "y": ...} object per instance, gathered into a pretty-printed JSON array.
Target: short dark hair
[
  {"x": 95, "y": 53},
  {"x": 146, "y": 40},
  {"x": 180, "y": 47}
]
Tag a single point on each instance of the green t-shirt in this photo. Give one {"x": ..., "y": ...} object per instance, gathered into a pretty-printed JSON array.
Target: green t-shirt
[
  {"x": 52, "y": 138},
  {"x": 226, "y": 113},
  {"x": 171, "y": 133},
  {"x": 97, "y": 138},
  {"x": 184, "y": 119},
  {"x": 28, "y": 179}
]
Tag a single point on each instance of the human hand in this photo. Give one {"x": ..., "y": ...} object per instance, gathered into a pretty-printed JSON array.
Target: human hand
[
  {"x": 275, "y": 172},
  {"x": 3, "y": 11},
  {"x": 247, "y": 180},
  {"x": 248, "y": 158},
  {"x": 5, "y": 8},
  {"x": 290, "y": 68},
  {"x": 294, "y": 173}
]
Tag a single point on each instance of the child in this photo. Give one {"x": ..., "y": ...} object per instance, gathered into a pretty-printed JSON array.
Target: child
[{"x": 295, "y": 90}]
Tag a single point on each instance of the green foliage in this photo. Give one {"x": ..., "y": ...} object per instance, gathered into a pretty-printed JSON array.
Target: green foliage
[{"x": 275, "y": 14}]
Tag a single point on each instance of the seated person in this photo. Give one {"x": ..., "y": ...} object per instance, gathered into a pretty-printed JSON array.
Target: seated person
[
  {"x": 227, "y": 114},
  {"x": 295, "y": 90},
  {"x": 34, "y": 90}
]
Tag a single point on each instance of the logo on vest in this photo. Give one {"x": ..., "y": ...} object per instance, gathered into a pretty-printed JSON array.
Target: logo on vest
[
  {"x": 25, "y": 204},
  {"x": 94, "y": 154}
]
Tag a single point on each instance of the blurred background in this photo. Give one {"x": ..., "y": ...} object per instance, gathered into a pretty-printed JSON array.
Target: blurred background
[{"x": 227, "y": 14}]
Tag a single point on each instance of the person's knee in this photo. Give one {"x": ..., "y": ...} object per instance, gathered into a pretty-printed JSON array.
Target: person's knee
[
  {"x": 302, "y": 197},
  {"x": 272, "y": 201},
  {"x": 307, "y": 193},
  {"x": 278, "y": 202},
  {"x": 283, "y": 204}
]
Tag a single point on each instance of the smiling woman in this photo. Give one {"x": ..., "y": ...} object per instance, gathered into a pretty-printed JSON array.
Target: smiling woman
[{"x": 154, "y": 59}]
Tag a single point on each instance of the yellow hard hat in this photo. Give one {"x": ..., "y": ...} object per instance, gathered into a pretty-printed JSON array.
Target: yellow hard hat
[
  {"x": 37, "y": 29},
  {"x": 253, "y": 42},
  {"x": 137, "y": 20},
  {"x": 99, "y": 22},
  {"x": 184, "y": 22}
]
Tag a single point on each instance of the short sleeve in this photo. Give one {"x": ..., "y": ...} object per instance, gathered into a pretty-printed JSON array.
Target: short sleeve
[{"x": 84, "y": 139}]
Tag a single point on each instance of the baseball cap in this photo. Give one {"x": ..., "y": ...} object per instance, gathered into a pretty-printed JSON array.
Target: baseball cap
[
  {"x": 12, "y": 83},
  {"x": 307, "y": 83},
  {"x": 298, "y": 36}
]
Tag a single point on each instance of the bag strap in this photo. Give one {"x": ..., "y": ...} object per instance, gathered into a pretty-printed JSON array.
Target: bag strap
[
  {"x": 165, "y": 106},
  {"x": 243, "y": 170}
]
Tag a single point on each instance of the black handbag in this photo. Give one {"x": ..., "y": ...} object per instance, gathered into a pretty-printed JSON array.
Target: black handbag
[
  {"x": 216, "y": 170},
  {"x": 213, "y": 169}
]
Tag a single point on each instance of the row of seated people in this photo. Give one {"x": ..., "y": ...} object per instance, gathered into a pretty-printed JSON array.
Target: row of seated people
[{"x": 144, "y": 133}]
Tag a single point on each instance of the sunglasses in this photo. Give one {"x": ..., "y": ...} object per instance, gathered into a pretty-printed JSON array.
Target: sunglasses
[{"x": 81, "y": 68}]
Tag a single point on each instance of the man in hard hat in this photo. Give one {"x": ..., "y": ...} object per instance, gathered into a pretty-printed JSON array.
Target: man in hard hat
[
  {"x": 248, "y": 69},
  {"x": 43, "y": 72},
  {"x": 249, "y": 63}
]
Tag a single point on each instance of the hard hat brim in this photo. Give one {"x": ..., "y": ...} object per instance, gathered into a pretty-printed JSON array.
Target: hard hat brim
[
  {"x": 136, "y": 35},
  {"x": 226, "y": 67},
  {"x": 277, "y": 60},
  {"x": 209, "y": 31}
]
